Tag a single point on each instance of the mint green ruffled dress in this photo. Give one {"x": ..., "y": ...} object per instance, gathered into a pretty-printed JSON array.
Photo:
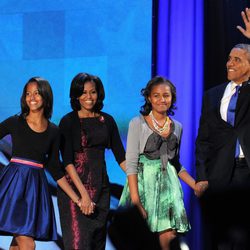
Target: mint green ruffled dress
[{"x": 159, "y": 187}]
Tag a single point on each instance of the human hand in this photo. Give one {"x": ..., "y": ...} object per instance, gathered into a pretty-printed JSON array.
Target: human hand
[
  {"x": 200, "y": 188},
  {"x": 246, "y": 19},
  {"x": 78, "y": 203},
  {"x": 87, "y": 205},
  {"x": 142, "y": 211}
]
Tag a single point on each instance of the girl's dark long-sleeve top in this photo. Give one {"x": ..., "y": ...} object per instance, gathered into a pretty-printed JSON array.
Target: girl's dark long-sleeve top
[
  {"x": 40, "y": 147},
  {"x": 71, "y": 137}
]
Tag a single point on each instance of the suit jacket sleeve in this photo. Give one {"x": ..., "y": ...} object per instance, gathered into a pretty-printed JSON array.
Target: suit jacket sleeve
[{"x": 202, "y": 143}]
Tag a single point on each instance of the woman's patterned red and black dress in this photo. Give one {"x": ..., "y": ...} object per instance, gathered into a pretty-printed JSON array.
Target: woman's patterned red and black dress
[{"x": 96, "y": 135}]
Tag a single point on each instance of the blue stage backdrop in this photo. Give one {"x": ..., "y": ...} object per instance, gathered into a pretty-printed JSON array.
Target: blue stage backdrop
[
  {"x": 178, "y": 55},
  {"x": 56, "y": 39}
]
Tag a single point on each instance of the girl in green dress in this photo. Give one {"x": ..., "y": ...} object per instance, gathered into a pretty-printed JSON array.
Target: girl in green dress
[{"x": 152, "y": 164}]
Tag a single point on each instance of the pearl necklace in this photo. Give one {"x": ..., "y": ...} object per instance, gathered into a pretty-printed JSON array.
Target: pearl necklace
[{"x": 160, "y": 129}]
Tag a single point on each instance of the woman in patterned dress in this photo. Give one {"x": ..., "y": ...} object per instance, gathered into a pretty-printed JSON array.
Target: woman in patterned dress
[
  {"x": 86, "y": 133},
  {"x": 152, "y": 164}
]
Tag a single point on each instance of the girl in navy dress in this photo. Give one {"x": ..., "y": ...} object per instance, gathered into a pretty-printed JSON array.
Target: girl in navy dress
[{"x": 26, "y": 209}]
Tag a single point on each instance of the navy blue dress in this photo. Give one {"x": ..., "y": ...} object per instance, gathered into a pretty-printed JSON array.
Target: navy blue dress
[{"x": 26, "y": 204}]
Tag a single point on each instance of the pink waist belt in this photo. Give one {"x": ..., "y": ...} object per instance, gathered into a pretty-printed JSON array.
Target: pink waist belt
[{"x": 26, "y": 162}]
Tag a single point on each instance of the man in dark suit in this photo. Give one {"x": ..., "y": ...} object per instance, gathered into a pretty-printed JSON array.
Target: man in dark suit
[{"x": 223, "y": 157}]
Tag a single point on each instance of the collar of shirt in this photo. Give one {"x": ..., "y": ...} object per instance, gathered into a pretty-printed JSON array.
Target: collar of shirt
[
  {"x": 229, "y": 91},
  {"x": 233, "y": 86}
]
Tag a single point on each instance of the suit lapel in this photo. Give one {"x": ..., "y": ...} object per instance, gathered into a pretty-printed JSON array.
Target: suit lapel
[
  {"x": 243, "y": 103},
  {"x": 218, "y": 94}
]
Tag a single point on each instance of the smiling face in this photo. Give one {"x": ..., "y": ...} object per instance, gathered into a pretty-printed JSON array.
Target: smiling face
[
  {"x": 238, "y": 66},
  {"x": 33, "y": 98},
  {"x": 89, "y": 97},
  {"x": 160, "y": 98}
]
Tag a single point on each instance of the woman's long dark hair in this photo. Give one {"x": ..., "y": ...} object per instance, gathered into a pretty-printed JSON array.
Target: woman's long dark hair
[{"x": 145, "y": 92}]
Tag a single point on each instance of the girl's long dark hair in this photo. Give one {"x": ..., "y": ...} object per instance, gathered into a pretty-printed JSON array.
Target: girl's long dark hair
[
  {"x": 145, "y": 92},
  {"x": 46, "y": 93}
]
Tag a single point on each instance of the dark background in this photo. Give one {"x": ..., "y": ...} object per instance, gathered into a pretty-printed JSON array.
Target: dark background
[{"x": 220, "y": 34}]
